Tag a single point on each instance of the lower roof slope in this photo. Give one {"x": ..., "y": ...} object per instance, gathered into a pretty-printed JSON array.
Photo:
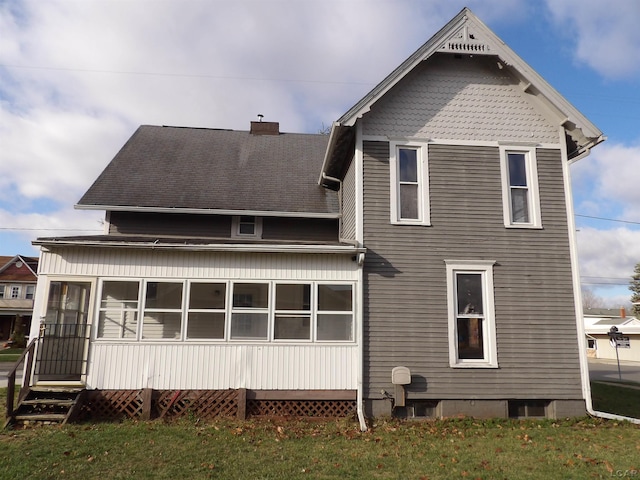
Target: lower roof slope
[{"x": 162, "y": 168}]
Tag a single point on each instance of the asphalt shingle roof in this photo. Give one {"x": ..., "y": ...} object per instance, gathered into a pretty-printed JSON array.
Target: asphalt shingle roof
[{"x": 194, "y": 168}]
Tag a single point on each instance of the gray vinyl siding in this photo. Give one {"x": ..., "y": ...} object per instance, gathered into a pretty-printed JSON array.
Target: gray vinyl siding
[
  {"x": 405, "y": 281},
  {"x": 219, "y": 226},
  {"x": 169, "y": 224},
  {"x": 300, "y": 229},
  {"x": 349, "y": 203}
]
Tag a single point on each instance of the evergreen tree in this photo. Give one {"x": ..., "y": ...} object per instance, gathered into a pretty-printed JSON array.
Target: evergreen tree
[{"x": 635, "y": 288}]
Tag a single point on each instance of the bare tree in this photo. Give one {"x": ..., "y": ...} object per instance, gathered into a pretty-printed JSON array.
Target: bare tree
[
  {"x": 590, "y": 299},
  {"x": 634, "y": 286}
]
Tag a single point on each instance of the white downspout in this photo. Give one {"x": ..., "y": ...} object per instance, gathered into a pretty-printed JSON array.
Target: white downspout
[
  {"x": 573, "y": 248},
  {"x": 359, "y": 174},
  {"x": 360, "y": 334}
]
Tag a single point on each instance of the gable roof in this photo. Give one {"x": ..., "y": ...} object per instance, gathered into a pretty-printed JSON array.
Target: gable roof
[
  {"x": 215, "y": 171},
  {"x": 465, "y": 34},
  {"x": 10, "y": 272}
]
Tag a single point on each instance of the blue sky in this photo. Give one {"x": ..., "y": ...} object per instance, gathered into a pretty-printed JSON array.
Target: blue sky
[{"x": 78, "y": 76}]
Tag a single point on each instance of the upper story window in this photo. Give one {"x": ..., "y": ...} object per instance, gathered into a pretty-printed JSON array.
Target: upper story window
[
  {"x": 409, "y": 184},
  {"x": 520, "y": 197},
  {"x": 472, "y": 335},
  {"x": 15, "y": 291},
  {"x": 31, "y": 290},
  {"x": 246, "y": 226},
  {"x": 2, "y": 287}
]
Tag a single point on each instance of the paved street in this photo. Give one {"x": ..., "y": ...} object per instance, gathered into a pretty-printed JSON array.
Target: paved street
[
  {"x": 607, "y": 370},
  {"x": 4, "y": 369}
]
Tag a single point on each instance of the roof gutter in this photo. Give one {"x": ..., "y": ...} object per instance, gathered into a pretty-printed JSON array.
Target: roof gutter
[
  {"x": 586, "y": 150},
  {"x": 207, "y": 211},
  {"x": 156, "y": 245},
  {"x": 329, "y": 152}
]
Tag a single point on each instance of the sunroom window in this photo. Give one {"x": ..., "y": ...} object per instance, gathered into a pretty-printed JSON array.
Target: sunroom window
[
  {"x": 250, "y": 311},
  {"x": 206, "y": 313},
  {"x": 162, "y": 316},
  {"x": 335, "y": 312},
  {"x": 293, "y": 312},
  {"x": 118, "y": 316},
  {"x": 224, "y": 310}
]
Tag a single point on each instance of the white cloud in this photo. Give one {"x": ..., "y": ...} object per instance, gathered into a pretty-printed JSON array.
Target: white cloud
[
  {"x": 605, "y": 34},
  {"x": 607, "y": 182},
  {"x": 608, "y": 253}
]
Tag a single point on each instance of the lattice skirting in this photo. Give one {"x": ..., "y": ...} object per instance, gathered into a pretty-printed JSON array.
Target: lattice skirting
[
  {"x": 204, "y": 404},
  {"x": 301, "y": 408}
]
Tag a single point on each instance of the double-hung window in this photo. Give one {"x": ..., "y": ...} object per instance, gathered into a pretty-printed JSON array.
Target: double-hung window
[
  {"x": 250, "y": 311},
  {"x": 520, "y": 197},
  {"x": 472, "y": 336},
  {"x": 162, "y": 313},
  {"x": 118, "y": 311},
  {"x": 409, "y": 184},
  {"x": 206, "y": 310},
  {"x": 292, "y": 312}
]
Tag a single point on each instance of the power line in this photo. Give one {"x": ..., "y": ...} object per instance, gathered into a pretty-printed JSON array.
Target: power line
[
  {"x": 185, "y": 75},
  {"x": 608, "y": 219}
]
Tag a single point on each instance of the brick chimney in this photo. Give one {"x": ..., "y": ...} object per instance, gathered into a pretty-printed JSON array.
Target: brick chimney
[
  {"x": 623, "y": 313},
  {"x": 265, "y": 128}
]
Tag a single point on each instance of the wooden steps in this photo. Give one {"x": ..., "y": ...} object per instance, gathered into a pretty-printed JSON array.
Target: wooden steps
[{"x": 48, "y": 405}]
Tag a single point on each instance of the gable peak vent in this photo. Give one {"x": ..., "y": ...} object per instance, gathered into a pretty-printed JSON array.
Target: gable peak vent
[{"x": 464, "y": 41}]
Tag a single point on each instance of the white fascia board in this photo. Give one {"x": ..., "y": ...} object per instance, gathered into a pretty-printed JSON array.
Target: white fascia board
[
  {"x": 207, "y": 211},
  {"x": 244, "y": 248}
]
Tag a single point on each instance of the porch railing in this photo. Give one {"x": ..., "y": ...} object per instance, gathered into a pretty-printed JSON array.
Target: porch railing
[
  {"x": 61, "y": 351},
  {"x": 27, "y": 358}
]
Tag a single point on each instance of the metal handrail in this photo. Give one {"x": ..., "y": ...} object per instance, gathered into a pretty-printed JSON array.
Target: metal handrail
[{"x": 11, "y": 376}]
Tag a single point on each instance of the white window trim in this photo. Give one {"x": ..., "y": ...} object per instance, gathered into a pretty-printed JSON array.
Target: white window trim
[
  {"x": 535, "y": 217},
  {"x": 424, "y": 214},
  {"x": 484, "y": 267},
  {"x": 15, "y": 288},
  {"x": 228, "y": 310},
  {"x": 235, "y": 227}
]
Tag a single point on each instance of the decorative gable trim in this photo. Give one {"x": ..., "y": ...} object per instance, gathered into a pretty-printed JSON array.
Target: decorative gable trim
[
  {"x": 466, "y": 40},
  {"x": 466, "y": 34}
]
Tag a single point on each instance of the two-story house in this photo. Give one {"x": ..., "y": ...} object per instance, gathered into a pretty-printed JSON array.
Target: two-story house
[
  {"x": 431, "y": 230},
  {"x": 18, "y": 278}
]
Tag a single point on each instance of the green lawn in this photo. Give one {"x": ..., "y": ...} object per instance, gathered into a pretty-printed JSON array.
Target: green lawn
[
  {"x": 10, "y": 354},
  {"x": 616, "y": 399},
  {"x": 269, "y": 449}
]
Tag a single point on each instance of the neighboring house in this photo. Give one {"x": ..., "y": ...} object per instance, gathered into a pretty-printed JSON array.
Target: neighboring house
[
  {"x": 598, "y": 324},
  {"x": 18, "y": 278},
  {"x": 432, "y": 230}
]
